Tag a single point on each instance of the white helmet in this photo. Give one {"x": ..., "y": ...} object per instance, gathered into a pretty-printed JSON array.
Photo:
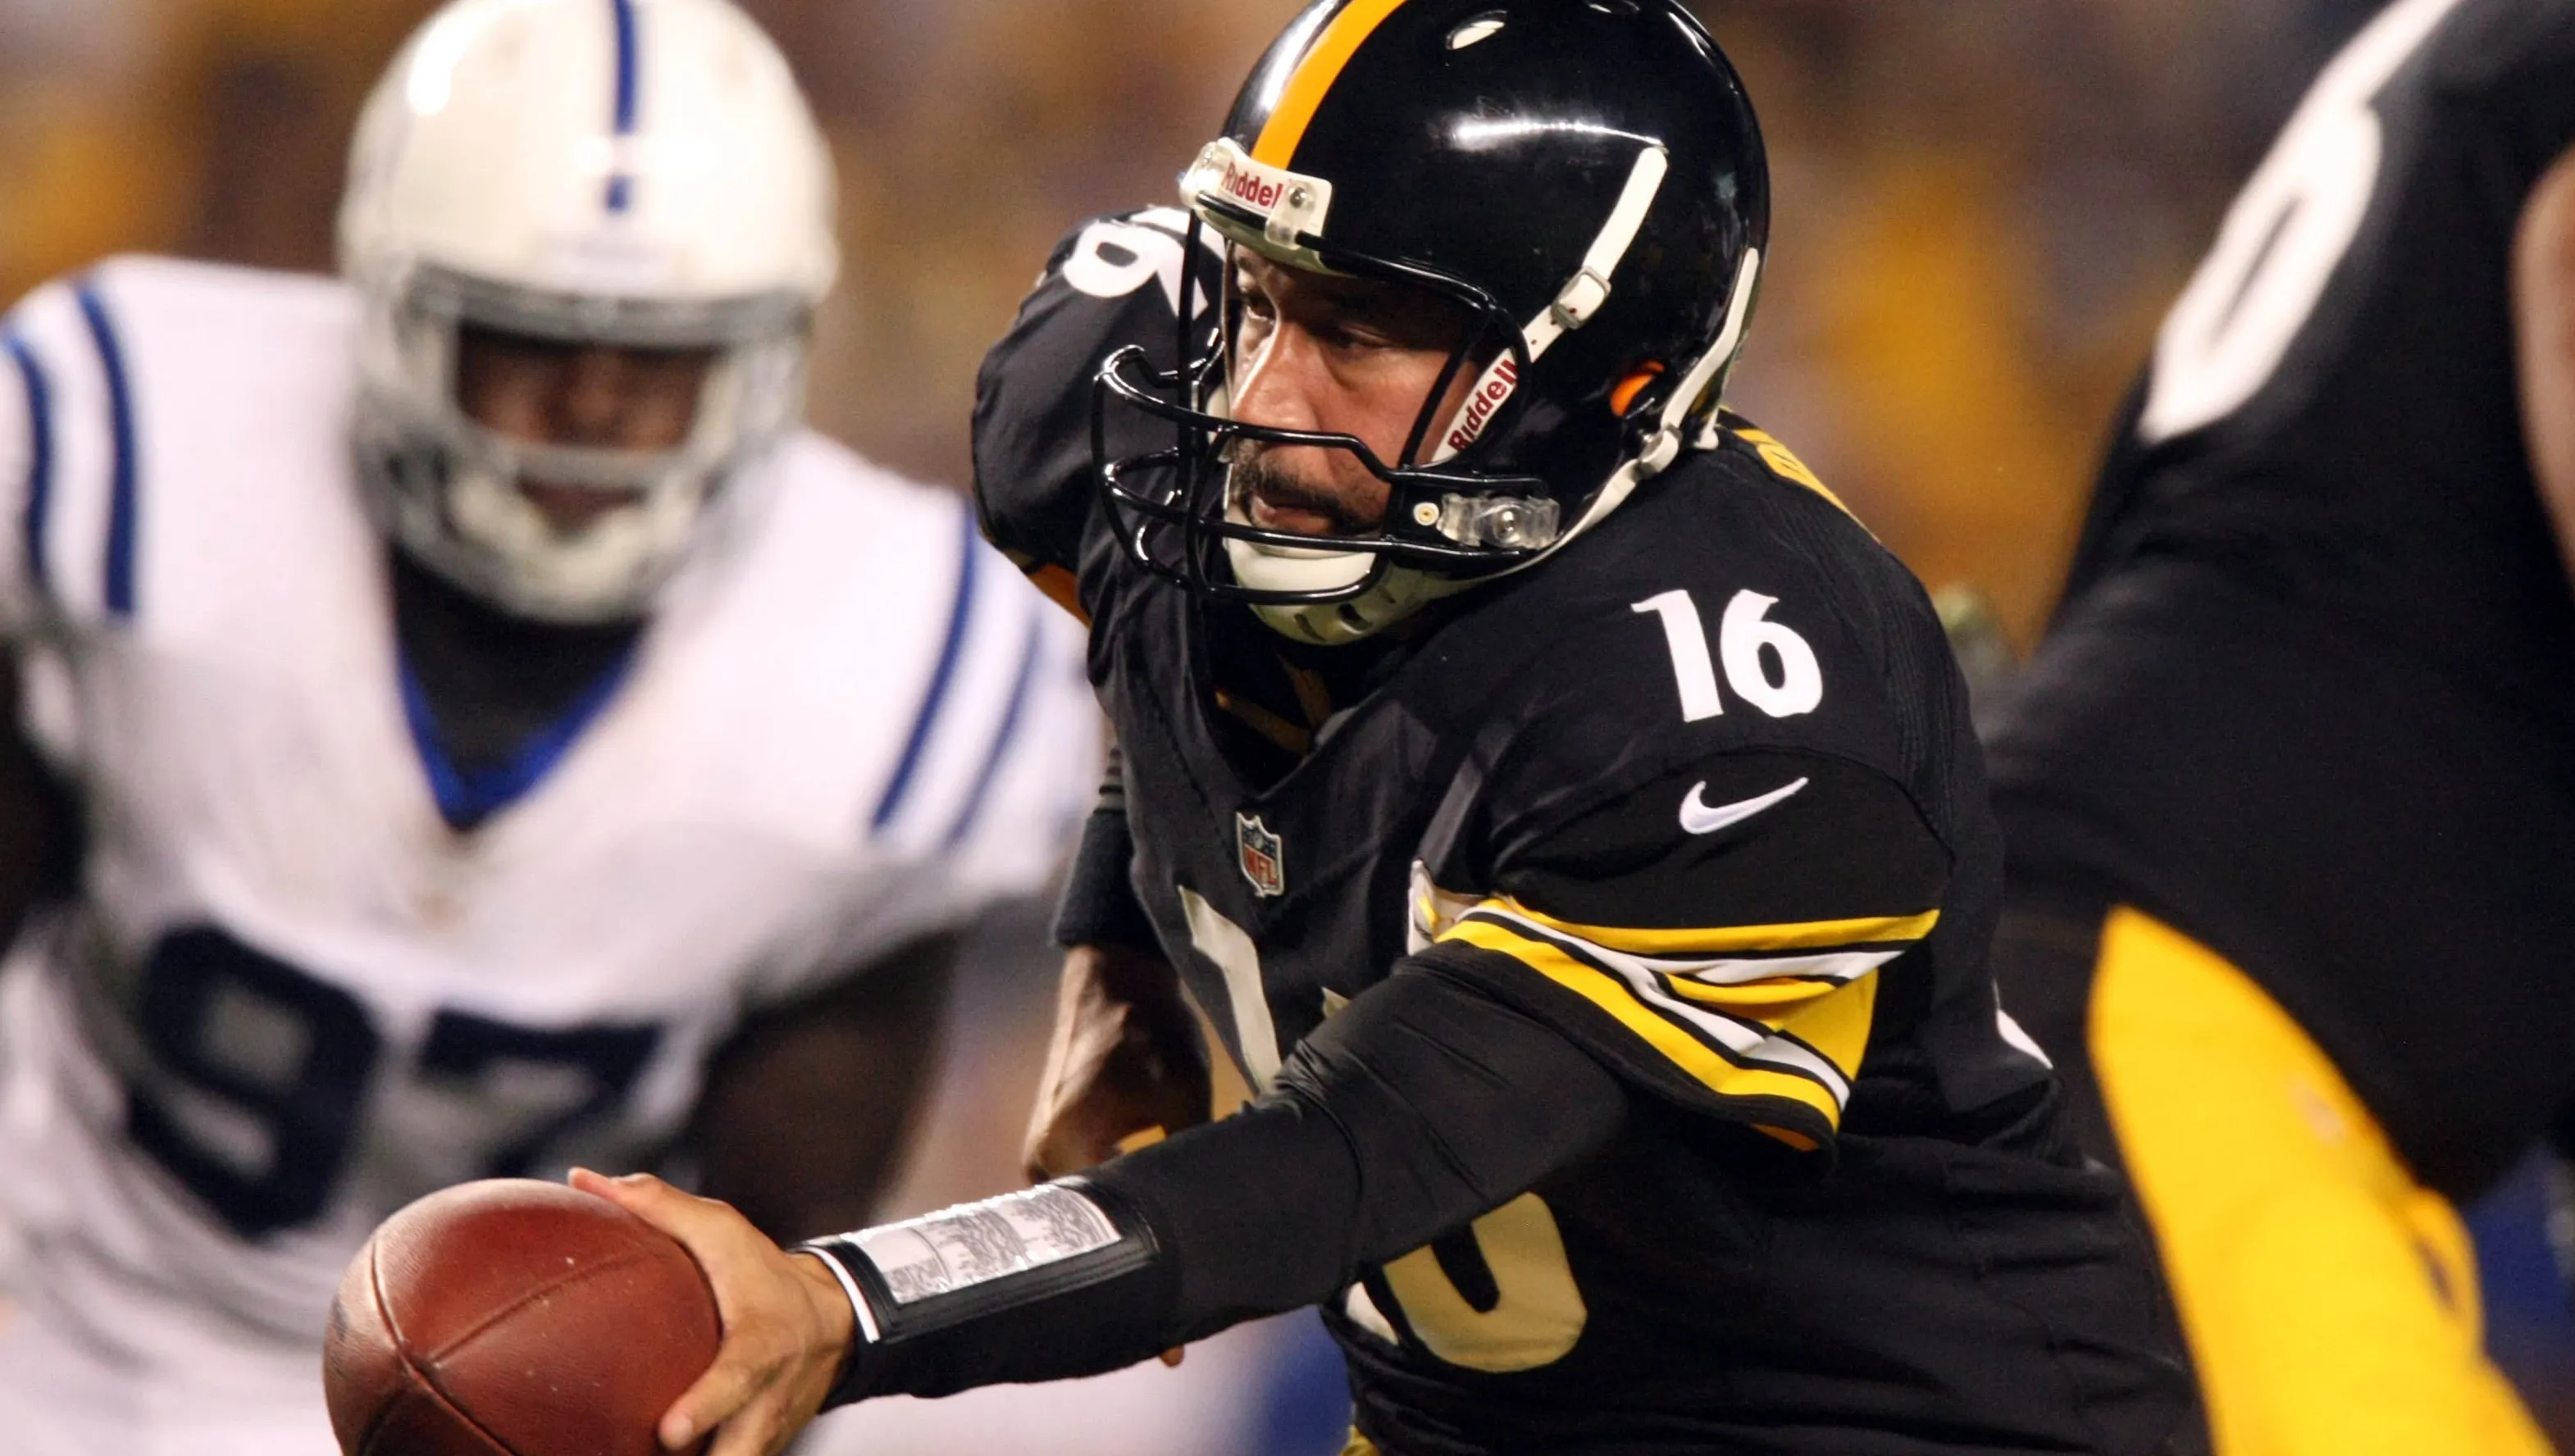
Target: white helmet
[{"x": 634, "y": 173}]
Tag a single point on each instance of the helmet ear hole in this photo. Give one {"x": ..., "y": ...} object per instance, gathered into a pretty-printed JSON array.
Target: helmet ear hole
[{"x": 1623, "y": 397}]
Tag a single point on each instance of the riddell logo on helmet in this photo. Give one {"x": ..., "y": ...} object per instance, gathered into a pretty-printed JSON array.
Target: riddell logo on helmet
[
  {"x": 1251, "y": 189},
  {"x": 1495, "y": 387}
]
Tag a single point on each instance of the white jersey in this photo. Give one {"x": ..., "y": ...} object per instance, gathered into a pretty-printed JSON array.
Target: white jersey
[{"x": 291, "y": 997}]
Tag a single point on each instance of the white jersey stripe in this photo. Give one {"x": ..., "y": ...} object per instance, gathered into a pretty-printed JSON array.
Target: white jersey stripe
[
  {"x": 1744, "y": 1041},
  {"x": 1832, "y": 965}
]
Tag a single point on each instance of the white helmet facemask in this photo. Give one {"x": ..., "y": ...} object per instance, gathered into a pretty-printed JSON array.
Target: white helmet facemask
[
  {"x": 445, "y": 488},
  {"x": 620, "y": 173}
]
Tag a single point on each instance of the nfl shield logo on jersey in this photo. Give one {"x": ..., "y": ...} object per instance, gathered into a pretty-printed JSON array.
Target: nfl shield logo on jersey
[{"x": 1261, "y": 856}]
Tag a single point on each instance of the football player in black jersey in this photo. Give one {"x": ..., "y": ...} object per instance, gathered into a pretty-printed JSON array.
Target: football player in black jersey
[
  {"x": 1567, "y": 812},
  {"x": 2290, "y": 789}
]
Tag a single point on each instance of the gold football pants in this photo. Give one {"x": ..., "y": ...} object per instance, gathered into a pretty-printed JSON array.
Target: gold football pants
[{"x": 2330, "y": 1301}]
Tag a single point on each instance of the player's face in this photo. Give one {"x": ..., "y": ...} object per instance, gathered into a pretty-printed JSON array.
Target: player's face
[
  {"x": 547, "y": 392},
  {"x": 1345, "y": 356}
]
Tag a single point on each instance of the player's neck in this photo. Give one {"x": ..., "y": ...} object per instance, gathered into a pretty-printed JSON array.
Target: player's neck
[{"x": 494, "y": 680}]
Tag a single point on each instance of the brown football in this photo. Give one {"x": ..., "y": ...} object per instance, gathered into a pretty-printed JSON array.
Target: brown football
[{"x": 514, "y": 1318}]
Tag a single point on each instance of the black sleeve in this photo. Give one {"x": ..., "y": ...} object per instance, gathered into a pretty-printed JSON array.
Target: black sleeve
[
  {"x": 1422, "y": 1105},
  {"x": 1098, "y": 906},
  {"x": 1110, "y": 284}
]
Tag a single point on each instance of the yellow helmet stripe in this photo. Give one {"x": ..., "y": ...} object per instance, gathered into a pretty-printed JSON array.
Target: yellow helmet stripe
[{"x": 1315, "y": 76}]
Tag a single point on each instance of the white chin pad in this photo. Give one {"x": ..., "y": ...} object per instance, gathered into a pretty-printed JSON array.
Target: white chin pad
[
  {"x": 601, "y": 565},
  {"x": 1294, "y": 568}
]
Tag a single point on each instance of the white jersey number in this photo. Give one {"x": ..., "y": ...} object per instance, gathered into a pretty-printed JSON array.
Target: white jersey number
[
  {"x": 2286, "y": 233},
  {"x": 1749, "y": 645},
  {"x": 1113, "y": 257},
  {"x": 261, "y": 1075}
]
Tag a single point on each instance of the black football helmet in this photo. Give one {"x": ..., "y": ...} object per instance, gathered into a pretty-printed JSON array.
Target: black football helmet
[{"x": 1584, "y": 177}]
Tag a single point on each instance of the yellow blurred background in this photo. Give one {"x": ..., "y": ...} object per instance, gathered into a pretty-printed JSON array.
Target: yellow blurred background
[
  {"x": 1981, "y": 204},
  {"x": 1982, "y": 208}
]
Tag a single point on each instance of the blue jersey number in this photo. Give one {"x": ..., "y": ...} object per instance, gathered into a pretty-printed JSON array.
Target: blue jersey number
[
  {"x": 465, "y": 1047},
  {"x": 280, "y": 1062},
  {"x": 261, "y": 1072}
]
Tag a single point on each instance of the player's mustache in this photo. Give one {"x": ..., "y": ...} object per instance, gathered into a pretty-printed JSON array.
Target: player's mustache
[{"x": 1258, "y": 475}]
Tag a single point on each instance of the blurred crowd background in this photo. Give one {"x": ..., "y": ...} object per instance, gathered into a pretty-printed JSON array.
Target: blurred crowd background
[
  {"x": 1981, "y": 209},
  {"x": 1982, "y": 204}
]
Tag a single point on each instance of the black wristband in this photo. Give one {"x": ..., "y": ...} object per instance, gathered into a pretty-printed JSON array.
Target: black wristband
[
  {"x": 1062, "y": 1279},
  {"x": 1099, "y": 906}
]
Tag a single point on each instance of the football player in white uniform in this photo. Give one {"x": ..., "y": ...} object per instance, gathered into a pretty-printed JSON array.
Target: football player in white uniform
[{"x": 468, "y": 726}]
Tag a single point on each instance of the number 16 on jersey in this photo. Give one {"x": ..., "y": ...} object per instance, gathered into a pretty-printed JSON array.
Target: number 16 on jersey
[{"x": 1767, "y": 664}]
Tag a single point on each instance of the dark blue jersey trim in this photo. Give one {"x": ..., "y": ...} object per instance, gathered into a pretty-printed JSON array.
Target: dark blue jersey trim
[
  {"x": 40, "y": 460},
  {"x": 941, "y": 678},
  {"x": 466, "y": 800},
  {"x": 621, "y": 186},
  {"x": 121, "y": 480},
  {"x": 1030, "y": 651}
]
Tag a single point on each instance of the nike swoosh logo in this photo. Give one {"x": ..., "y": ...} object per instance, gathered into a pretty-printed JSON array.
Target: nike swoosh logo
[{"x": 1698, "y": 819}]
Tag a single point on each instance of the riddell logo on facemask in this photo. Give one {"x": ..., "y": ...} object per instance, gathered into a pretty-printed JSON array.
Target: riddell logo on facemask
[
  {"x": 1253, "y": 190},
  {"x": 1495, "y": 387}
]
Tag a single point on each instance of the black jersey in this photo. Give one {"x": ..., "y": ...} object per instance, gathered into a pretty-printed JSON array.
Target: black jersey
[
  {"x": 1700, "y": 793},
  {"x": 2311, "y": 695}
]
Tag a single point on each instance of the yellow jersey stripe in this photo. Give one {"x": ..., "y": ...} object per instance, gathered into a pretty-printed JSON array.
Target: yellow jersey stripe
[
  {"x": 1681, "y": 1048},
  {"x": 1785, "y": 463},
  {"x": 1725, "y": 939},
  {"x": 1315, "y": 76},
  {"x": 1837, "y": 1026},
  {"x": 1831, "y": 1017},
  {"x": 1771, "y": 1002}
]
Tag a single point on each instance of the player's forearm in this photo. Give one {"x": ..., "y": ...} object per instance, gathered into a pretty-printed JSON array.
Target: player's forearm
[
  {"x": 806, "y": 1110},
  {"x": 1421, "y": 1107}
]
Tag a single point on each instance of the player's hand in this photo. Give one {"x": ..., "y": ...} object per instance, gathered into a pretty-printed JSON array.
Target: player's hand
[
  {"x": 1124, "y": 1063},
  {"x": 786, "y": 1321}
]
